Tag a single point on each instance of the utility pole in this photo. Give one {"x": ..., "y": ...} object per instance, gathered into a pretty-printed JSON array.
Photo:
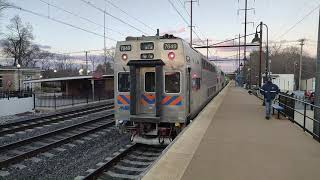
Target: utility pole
[
  {"x": 245, "y": 30},
  {"x": 104, "y": 38},
  {"x": 300, "y": 62},
  {"x": 191, "y": 4},
  {"x": 316, "y": 126},
  {"x": 191, "y": 17}
]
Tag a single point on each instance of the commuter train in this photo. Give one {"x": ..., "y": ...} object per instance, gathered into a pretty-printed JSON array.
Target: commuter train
[{"x": 161, "y": 83}]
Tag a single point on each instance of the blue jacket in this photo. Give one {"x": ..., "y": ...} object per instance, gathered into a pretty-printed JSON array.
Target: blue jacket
[{"x": 269, "y": 91}]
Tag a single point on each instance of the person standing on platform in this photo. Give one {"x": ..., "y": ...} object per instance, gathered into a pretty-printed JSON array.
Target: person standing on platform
[{"x": 269, "y": 91}]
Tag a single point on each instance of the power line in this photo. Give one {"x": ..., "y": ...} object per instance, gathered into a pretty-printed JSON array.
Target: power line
[
  {"x": 184, "y": 7},
  {"x": 175, "y": 8},
  {"x": 302, "y": 19},
  {"x": 59, "y": 21},
  {"x": 78, "y": 52},
  {"x": 122, "y": 21},
  {"x": 141, "y": 22},
  {"x": 232, "y": 39},
  {"x": 76, "y": 15},
  {"x": 183, "y": 18}
]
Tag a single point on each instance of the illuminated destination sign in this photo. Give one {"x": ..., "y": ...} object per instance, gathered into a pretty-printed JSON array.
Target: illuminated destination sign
[
  {"x": 125, "y": 47},
  {"x": 170, "y": 46},
  {"x": 147, "y": 56},
  {"x": 147, "y": 46}
]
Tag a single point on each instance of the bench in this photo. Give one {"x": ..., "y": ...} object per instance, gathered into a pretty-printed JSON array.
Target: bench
[{"x": 278, "y": 108}]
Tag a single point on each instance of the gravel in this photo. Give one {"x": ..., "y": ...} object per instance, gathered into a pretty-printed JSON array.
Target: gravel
[
  {"x": 74, "y": 160},
  {"x": 45, "y": 129}
]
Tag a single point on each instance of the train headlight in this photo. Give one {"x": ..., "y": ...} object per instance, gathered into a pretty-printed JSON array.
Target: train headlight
[
  {"x": 171, "y": 55},
  {"x": 124, "y": 57}
]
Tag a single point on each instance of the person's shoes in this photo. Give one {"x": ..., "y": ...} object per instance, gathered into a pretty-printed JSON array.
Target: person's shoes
[{"x": 267, "y": 118}]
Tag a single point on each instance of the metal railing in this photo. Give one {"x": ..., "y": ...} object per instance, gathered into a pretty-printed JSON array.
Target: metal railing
[
  {"x": 297, "y": 111},
  {"x": 15, "y": 94},
  {"x": 290, "y": 111},
  {"x": 56, "y": 101}
]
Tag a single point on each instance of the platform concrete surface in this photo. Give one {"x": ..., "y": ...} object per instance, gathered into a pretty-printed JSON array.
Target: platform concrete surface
[{"x": 237, "y": 143}]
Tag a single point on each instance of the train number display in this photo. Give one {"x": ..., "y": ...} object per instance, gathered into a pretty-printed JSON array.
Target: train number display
[{"x": 170, "y": 46}]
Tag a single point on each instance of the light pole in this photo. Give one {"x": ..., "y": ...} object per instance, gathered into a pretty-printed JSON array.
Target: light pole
[
  {"x": 259, "y": 39},
  {"x": 19, "y": 66},
  {"x": 300, "y": 62}
]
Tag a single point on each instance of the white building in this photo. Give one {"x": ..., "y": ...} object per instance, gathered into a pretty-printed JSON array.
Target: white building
[
  {"x": 308, "y": 84},
  {"x": 285, "y": 82}
]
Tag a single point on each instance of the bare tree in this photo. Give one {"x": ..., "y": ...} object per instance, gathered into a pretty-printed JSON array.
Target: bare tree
[
  {"x": 4, "y": 4},
  {"x": 18, "y": 42}
]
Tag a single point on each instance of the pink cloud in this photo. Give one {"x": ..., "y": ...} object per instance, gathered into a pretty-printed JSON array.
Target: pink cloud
[{"x": 175, "y": 31}]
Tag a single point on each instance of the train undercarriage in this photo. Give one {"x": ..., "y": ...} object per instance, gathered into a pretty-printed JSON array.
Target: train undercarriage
[{"x": 153, "y": 133}]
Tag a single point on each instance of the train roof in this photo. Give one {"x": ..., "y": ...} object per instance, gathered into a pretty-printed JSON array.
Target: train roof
[{"x": 166, "y": 36}]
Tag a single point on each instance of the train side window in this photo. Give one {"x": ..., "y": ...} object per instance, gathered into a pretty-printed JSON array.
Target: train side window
[
  {"x": 123, "y": 82},
  {"x": 172, "y": 82},
  {"x": 150, "y": 82},
  {"x": 196, "y": 83}
]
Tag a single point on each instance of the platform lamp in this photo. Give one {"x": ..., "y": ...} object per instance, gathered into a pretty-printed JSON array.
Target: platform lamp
[
  {"x": 18, "y": 67},
  {"x": 259, "y": 39}
]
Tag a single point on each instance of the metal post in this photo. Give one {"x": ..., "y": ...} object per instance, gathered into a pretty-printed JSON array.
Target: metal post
[
  {"x": 34, "y": 101},
  {"x": 239, "y": 53},
  {"x": 300, "y": 62},
  {"x": 260, "y": 54},
  {"x": 55, "y": 101},
  {"x": 207, "y": 48},
  {"x": 19, "y": 80},
  {"x": 316, "y": 126},
  {"x": 191, "y": 4},
  {"x": 239, "y": 49},
  {"x": 86, "y": 62},
  {"x": 92, "y": 85},
  {"x": 304, "y": 116}
]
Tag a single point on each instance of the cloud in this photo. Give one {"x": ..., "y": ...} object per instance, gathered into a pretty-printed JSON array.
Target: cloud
[
  {"x": 175, "y": 31},
  {"x": 44, "y": 46}
]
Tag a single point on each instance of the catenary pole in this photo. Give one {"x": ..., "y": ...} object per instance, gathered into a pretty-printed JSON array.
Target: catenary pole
[
  {"x": 300, "y": 62},
  {"x": 316, "y": 126}
]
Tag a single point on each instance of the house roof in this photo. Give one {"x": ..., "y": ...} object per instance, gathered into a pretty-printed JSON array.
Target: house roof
[
  {"x": 65, "y": 79},
  {"x": 14, "y": 68}
]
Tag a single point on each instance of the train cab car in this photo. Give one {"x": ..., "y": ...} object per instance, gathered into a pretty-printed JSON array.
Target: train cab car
[{"x": 160, "y": 84}]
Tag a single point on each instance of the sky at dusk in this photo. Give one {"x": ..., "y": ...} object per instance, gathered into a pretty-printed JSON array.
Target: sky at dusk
[{"x": 213, "y": 19}]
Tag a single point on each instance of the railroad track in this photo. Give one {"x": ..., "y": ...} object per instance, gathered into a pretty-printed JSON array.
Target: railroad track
[
  {"x": 14, "y": 127},
  {"x": 20, "y": 150},
  {"x": 128, "y": 163}
]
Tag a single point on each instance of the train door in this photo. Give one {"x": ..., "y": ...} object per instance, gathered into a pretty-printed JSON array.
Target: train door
[
  {"x": 147, "y": 86},
  {"x": 146, "y": 90}
]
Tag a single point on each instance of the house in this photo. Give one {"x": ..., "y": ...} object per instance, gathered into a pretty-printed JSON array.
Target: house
[{"x": 12, "y": 77}]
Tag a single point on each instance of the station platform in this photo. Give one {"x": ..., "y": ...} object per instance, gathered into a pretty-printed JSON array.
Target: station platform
[{"x": 231, "y": 140}]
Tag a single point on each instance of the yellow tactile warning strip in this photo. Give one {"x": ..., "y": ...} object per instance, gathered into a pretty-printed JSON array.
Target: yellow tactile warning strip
[{"x": 174, "y": 162}]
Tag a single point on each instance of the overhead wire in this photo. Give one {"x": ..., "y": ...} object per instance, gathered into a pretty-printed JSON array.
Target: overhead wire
[
  {"x": 123, "y": 11},
  {"x": 184, "y": 19},
  {"x": 184, "y": 8},
  {"x": 175, "y": 8},
  {"x": 83, "y": 18},
  {"x": 60, "y": 21},
  {"x": 113, "y": 16},
  {"x": 299, "y": 21}
]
